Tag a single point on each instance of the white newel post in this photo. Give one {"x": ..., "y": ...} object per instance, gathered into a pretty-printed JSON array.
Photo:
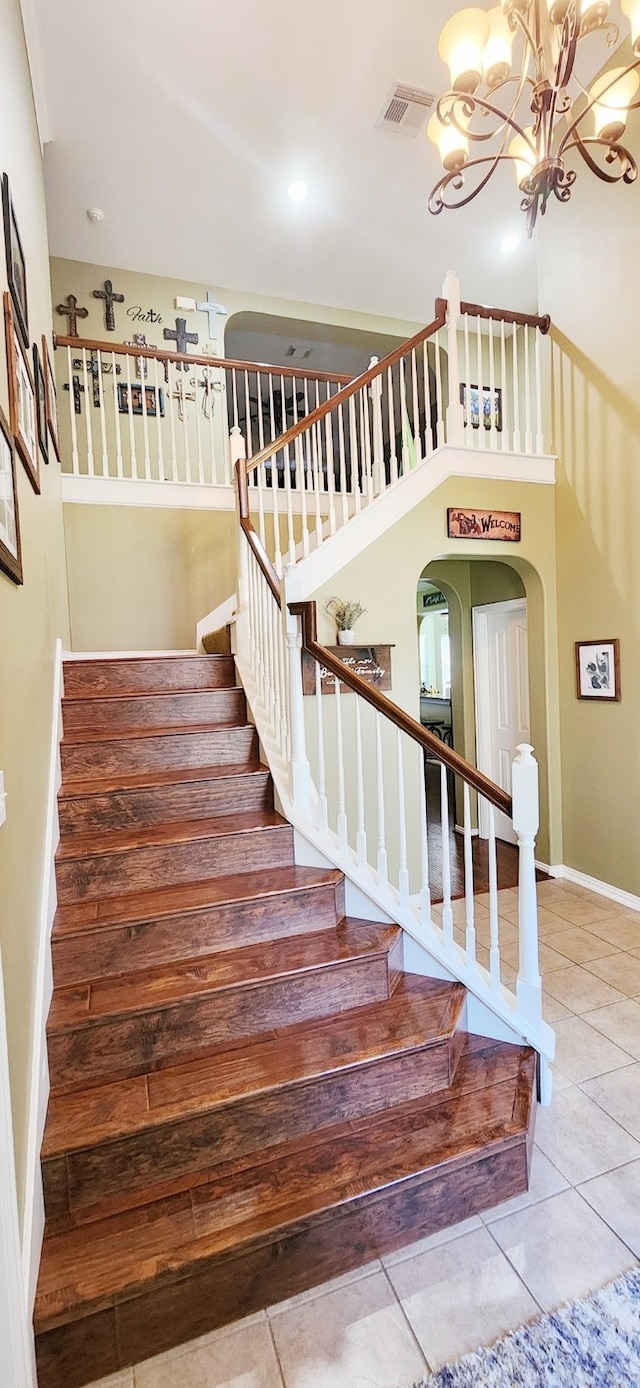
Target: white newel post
[
  {"x": 375, "y": 391},
  {"x": 300, "y": 770},
  {"x": 237, "y": 445},
  {"x": 524, "y": 789},
  {"x": 455, "y": 409}
]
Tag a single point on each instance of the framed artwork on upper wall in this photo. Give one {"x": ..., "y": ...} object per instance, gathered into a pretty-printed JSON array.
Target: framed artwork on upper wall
[
  {"x": 16, "y": 266},
  {"x": 481, "y": 406},
  {"x": 598, "y": 670},
  {"x": 10, "y": 552},
  {"x": 22, "y": 398},
  {"x": 51, "y": 396},
  {"x": 41, "y": 404}
]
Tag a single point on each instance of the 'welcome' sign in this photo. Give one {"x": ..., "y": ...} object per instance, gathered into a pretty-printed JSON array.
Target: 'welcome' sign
[{"x": 483, "y": 525}]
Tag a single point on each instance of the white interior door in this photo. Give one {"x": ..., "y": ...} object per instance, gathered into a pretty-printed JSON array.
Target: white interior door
[{"x": 502, "y": 696}]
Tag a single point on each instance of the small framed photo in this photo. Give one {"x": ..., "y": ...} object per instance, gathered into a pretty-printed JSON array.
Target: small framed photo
[
  {"x": 479, "y": 408},
  {"x": 16, "y": 267},
  {"x": 41, "y": 404},
  {"x": 10, "y": 552},
  {"x": 22, "y": 398},
  {"x": 152, "y": 401},
  {"x": 598, "y": 670},
  {"x": 51, "y": 397}
]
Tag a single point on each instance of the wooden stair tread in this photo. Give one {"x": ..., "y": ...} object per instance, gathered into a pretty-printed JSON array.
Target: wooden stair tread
[
  {"x": 146, "y": 780},
  {"x": 118, "y": 696},
  {"x": 128, "y": 1253},
  {"x": 80, "y": 1005},
  {"x": 138, "y": 907},
  {"x": 420, "y": 1012},
  {"x": 173, "y": 832},
  {"x": 76, "y": 737},
  {"x": 143, "y": 674}
]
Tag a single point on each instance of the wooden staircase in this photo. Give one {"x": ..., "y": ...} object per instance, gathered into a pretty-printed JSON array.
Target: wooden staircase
[{"x": 248, "y": 1096}]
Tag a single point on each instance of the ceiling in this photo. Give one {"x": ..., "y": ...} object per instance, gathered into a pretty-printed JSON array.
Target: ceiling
[{"x": 185, "y": 125}]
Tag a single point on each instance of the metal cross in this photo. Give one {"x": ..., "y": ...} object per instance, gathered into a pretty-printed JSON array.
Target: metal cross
[
  {"x": 77, "y": 392},
  {"x": 109, "y": 300},
  {"x": 69, "y": 309},
  {"x": 139, "y": 340},
  {"x": 181, "y": 337},
  {"x": 95, "y": 369},
  {"x": 213, "y": 309}
]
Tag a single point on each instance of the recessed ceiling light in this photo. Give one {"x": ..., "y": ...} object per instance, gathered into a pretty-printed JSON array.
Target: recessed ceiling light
[
  {"x": 298, "y": 190},
  {"x": 509, "y": 243}
]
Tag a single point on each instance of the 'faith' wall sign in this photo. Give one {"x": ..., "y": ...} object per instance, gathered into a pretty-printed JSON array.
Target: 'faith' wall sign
[{"x": 482, "y": 525}]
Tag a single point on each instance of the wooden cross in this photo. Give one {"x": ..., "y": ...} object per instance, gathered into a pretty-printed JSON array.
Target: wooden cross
[
  {"x": 181, "y": 337},
  {"x": 213, "y": 309},
  {"x": 69, "y": 309},
  {"x": 110, "y": 298}
]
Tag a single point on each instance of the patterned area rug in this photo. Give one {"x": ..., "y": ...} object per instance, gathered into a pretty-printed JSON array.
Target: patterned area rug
[{"x": 592, "y": 1343}]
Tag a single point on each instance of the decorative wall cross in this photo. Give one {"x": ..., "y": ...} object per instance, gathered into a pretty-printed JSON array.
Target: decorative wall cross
[
  {"x": 213, "y": 309},
  {"x": 182, "y": 395},
  {"x": 95, "y": 369},
  {"x": 181, "y": 337},
  {"x": 110, "y": 298},
  {"x": 142, "y": 368},
  {"x": 69, "y": 309},
  {"x": 77, "y": 392}
]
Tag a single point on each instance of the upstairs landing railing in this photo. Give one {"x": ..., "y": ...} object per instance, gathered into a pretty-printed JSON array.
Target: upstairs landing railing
[
  {"x": 472, "y": 378},
  {"x": 350, "y": 771}
]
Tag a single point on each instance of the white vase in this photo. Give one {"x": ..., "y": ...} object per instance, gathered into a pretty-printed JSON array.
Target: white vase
[{"x": 346, "y": 638}]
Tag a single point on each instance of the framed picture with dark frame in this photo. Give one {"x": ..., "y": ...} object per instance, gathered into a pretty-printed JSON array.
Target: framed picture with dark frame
[
  {"x": 22, "y": 398},
  {"x": 152, "y": 400},
  {"x": 41, "y": 404},
  {"x": 51, "y": 395},
  {"x": 10, "y": 550},
  {"x": 480, "y": 408},
  {"x": 16, "y": 266},
  {"x": 598, "y": 670}
]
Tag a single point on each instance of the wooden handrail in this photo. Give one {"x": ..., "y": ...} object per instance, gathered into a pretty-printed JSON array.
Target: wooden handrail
[
  {"x": 227, "y": 364},
  {"x": 504, "y": 315},
  {"x": 428, "y": 741},
  {"x": 253, "y": 538},
  {"x": 355, "y": 384}
]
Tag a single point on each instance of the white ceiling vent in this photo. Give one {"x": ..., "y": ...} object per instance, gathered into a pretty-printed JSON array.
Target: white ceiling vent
[{"x": 405, "y": 110}]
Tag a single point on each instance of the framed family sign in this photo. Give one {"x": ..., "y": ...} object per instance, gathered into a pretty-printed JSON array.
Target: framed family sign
[
  {"x": 22, "y": 398},
  {"x": 598, "y": 670}
]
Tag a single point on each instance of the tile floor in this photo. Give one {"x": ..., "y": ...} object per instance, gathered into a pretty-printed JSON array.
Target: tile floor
[{"x": 577, "y": 1227}]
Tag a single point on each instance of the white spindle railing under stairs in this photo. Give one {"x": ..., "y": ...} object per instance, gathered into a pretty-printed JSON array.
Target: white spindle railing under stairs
[{"x": 351, "y": 775}]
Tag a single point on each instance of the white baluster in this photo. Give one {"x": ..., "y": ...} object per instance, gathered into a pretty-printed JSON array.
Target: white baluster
[
  {"x": 455, "y": 415},
  {"x": 145, "y": 431},
  {"x": 323, "y": 809},
  {"x": 342, "y": 810},
  {"x": 393, "y": 451},
  {"x": 404, "y": 415},
  {"x": 156, "y": 387},
  {"x": 482, "y": 434},
  {"x": 331, "y": 481},
  {"x": 517, "y": 437},
  {"x": 361, "y": 834},
  {"x": 343, "y": 466},
  {"x": 440, "y": 432},
  {"x": 88, "y": 400},
  {"x": 468, "y": 432},
  {"x": 403, "y": 871},
  {"x": 425, "y": 894},
  {"x": 528, "y": 435},
  {"x": 381, "y": 859},
  {"x": 355, "y": 454},
  {"x": 375, "y": 392},
  {"x": 494, "y": 948},
  {"x": 196, "y": 408},
  {"x": 103, "y": 422},
  {"x": 417, "y": 438},
  {"x": 447, "y": 912},
  {"x": 524, "y": 790},
  {"x": 469, "y": 901},
  {"x": 506, "y": 422},
  {"x": 367, "y": 457},
  {"x": 493, "y": 436},
  {"x": 286, "y": 463},
  {"x": 175, "y": 467},
  {"x": 300, "y": 772},
  {"x": 116, "y": 417},
  {"x": 75, "y": 457},
  {"x": 539, "y": 432}
]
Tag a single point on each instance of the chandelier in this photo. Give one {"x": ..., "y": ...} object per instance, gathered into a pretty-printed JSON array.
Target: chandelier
[{"x": 529, "y": 106}]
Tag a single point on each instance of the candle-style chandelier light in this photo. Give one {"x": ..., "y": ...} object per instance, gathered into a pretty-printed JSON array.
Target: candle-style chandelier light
[{"x": 515, "y": 95}]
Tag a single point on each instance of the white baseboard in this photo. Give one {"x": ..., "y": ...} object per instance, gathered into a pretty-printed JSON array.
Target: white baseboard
[
  {"x": 123, "y": 655},
  {"x": 33, "y": 1216},
  {"x": 593, "y": 884},
  {"x": 16, "y": 1334}
]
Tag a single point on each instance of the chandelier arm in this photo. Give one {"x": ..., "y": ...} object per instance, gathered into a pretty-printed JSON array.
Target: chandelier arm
[
  {"x": 567, "y": 55},
  {"x": 472, "y": 104},
  {"x": 572, "y": 129},
  {"x": 436, "y": 201},
  {"x": 629, "y": 170},
  {"x": 521, "y": 22}
]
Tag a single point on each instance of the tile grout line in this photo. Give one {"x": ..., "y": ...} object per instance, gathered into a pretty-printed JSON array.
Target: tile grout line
[
  {"x": 275, "y": 1350},
  {"x": 407, "y": 1322}
]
